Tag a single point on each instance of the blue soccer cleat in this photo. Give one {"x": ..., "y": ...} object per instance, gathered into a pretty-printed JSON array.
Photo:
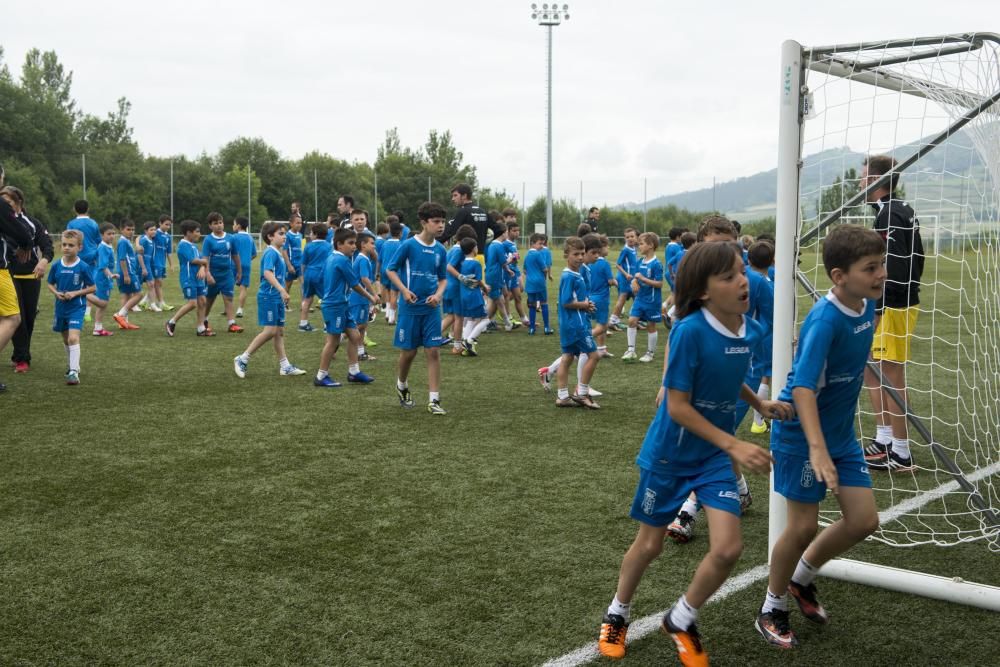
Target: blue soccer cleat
[
  {"x": 360, "y": 377},
  {"x": 326, "y": 382}
]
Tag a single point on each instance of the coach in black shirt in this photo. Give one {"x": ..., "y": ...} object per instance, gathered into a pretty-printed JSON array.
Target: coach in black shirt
[{"x": 469, "y": 214}]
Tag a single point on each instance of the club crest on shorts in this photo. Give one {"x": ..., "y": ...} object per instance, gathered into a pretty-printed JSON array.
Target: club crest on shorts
[
  {"x": 808, "y": 476},
  {"x": 649, "y": 501}
]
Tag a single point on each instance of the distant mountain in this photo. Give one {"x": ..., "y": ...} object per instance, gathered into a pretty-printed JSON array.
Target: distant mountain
[{"x": 753, "y": 197}]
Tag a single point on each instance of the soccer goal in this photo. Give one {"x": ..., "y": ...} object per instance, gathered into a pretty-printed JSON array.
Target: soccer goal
[{"x": 932, "y": 104}]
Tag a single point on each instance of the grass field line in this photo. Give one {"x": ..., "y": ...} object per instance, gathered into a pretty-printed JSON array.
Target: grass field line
[{"x": 649, "y": 624}]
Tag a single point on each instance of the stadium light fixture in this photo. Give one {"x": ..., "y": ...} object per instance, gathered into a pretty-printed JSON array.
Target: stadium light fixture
[{"x": 549, "y": 15}]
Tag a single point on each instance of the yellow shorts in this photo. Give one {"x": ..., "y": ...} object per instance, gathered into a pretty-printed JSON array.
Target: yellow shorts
[
  {"x": 482, "y": 260},
  {"x": 892, "y": 336},
  {"x": 8, "y": 297}
]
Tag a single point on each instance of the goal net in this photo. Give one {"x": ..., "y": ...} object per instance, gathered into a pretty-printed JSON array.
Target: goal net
[{"x": 932, "y": 105}]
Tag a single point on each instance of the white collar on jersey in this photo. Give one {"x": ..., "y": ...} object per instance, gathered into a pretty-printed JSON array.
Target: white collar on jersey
[
  {"x": 832, "y": 298},
  {"x": 714, "y": 322},
  {"x": 70, "y": 266},
  {"x": 426, "y": 245},
  {"x": 566, "y": 269}
]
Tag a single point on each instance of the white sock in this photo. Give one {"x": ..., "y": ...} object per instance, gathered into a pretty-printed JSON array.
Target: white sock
[
  {"x": 621, "y": 608},
  {"x": 742, "y": 484},
  {"x": 435, "y": 396},
  {"x": 320, "y": 374},
  {"x": 201, "y": 327},
  {"x": 245, "y": 357},
  {"x": 651, "y": 344},
  {"x": 354, "y": 369},
  {"x": 478, "y": 329},
  {"x": 602, "y": 348},
  {"x": 804, "y": 573},
  {"x": 123, "y": 313},
  {"x": 562, "y": 392},
  {"x": 772, "y": 602},
  {"x": 232, "y": 322},
  {"x": 302, "y": 323},
  {"x": 284, "y": 363},
  {"x": 361, "y": 350},
  {"x": 690, "y": 506},
  {"x": 87, "y": 310},
  {"x": 883, "y": 434},
  {"x": 580, "y": 361},
  {"x": 901, "y": 447},
  {"x": 74, "y": 357},
  {"x": 632, "y": 334},
  {"x": 683, "y": 615},
  {"x": 400, "y": 384},
  {"x": 763, "y": 392},
  {"x": 98, "y": 326},
  {"x": 467, "y": 329},
  {"x": 583, "y": 390},
  {"x": 554, "y": 366}
]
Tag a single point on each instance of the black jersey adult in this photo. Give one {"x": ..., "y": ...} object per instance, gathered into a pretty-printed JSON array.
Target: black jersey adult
[{"x": 469, "y": 213}]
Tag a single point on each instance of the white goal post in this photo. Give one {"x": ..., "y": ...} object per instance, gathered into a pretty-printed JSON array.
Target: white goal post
[{"x": 960, "y": 74}]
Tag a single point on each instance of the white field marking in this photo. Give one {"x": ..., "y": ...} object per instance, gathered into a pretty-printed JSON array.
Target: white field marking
[{"x": 648, "y": 624}]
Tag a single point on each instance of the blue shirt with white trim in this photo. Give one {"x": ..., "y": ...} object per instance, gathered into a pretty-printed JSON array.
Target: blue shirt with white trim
[{"x": 420, "y": 267}]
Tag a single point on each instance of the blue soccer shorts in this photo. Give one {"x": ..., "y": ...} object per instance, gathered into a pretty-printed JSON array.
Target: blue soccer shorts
[
  {"x": 192, "y": 292},
  {"x": 600, "y": 314},
  {"x": 64, "y": 321},
  {"x": 624, "y": 286},
  {"x": 312, "y": 286},
  {"x": 420, "y": 329},
  {"x": 537, "y": 297},
  {"x": 103, "y": 291},
  {"x": 159, "y": 272},
  {"x": 659, "y": 497},
  {"x": 584, "y": 345},
  {"x": 337, "y": 319},
  {"x": 646, "y": 311},
  {"x": 795, "y": 479},
  {"x": 359, "y": 313},
  {"x": 224, "y": 288},
  {"x": 270, "y": 312},
  {"x": 132, "y": 288},
  {"x": 244, "y": 280}
]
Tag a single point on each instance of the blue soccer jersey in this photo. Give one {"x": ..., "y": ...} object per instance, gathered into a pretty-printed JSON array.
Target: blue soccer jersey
[
  {"x": 385, "y": 255},
  {"x": 573, "y": 324},
  {"x": 219, "y": 250},
  {"x": 672, "y": 265},
  {"x": 91, "y": 237},
  {"x": 420, "y": 267},
  {"x": 293, "y": 246},
  {"x": 834, "y": 343},
  {"x": 245, "y": 248},
  {"x": 338, "y": 279},
  {"x": 363, "y": 268},
  {"x": 600, "y": 277},
  {"x": 271, "y": 260},
  {"x": 453, "y": 288},
  {"x": 165, "y": 246},
  {"x": 314, "y": 258},
  {"x": 126, "y": 253},
  {"x": 512, "y": 257},
  {"x": 496, "y": 259},
  {"x": 534, "y": 271},
  {"x": 672, "y": 250},
  {"x": 105, "y": 260},
  {"x": 762, "y": 309},
  {"x": 187, "y": 252},
  {"x": 627, "y": 261},
  {"x": 650, "y": 296},
  {"x": 70, "y": 278},
  {"x": 148, "y": 247},
  {"x": 473, "y": 303},
  {"x": 708, "y": 362},
  {"x": 547, "y": 255}
]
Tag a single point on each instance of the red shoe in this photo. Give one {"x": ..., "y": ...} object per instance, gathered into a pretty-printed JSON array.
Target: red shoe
[
  {"x": 122, "y": 322},
  {"x": 235, "y": 328},
  {"x": 130, "y": 326},
  {"x": 104, "y": 332},
  {"x": 21, "y": 367}
]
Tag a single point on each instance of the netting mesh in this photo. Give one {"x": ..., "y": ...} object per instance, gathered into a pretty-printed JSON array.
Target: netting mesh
[{"x": 953, "y": 377}]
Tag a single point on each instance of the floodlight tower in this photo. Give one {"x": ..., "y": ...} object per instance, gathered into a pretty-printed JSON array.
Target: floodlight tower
[{"x": 549, "y": 15}]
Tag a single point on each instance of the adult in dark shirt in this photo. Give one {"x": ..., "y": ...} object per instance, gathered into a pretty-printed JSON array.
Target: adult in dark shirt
[
  {"x": 345, "y": 204},
  {"x": 470, "y": 214},
  {"x": 593, "y": 217},
  {"x": 13, "y": 236},
  {"x": 28, "y": 270},
  {"x": 896, "y": 314}
]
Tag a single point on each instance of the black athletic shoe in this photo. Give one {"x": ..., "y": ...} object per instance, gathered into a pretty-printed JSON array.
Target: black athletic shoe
[
  {"x": 893, "y": 463},
  {"x": 774, "y": 628},
  {"x": 809, "y": 605},
  {"x": 875, "y": 451},
  {"x": 170, "y": 327},
  {"x": 405, "y": 399}
]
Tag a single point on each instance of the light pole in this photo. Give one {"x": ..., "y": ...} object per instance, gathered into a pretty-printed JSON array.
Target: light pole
[{"x": 549, "y": 15}]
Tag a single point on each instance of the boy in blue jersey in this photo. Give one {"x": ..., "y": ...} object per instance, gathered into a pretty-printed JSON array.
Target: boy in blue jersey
[
  {"x": 359, "y": 304},
  {"x": 627, "y": 261},
  {"x": 513, "y": 256},
  {"x": 601, "y": 281},
  {"x": 272, "y": 302},
  {"x": 451, "y": 304},
  {"x": 686, "y": 240},
  {"x": 381, "y": 234},
  {"x": 164, "y": 248},
  {"x": 495, "y": 275},
  {"x": 389, "y": 249},
  {"x": 223, "y": 268},
  {"x": 760, "y": 255},
  {"x": 191, "y": 269},
  {"x": 128, "y": 277},
  {"x": 247, "y": 250},
  {"x": 339, "y": 279},
  {"x": 104, "y": 277},
  {"x": 690, "y": 444},
  {"x": 313, "y": 264},
  {"x": 536, "y": 271},
  {"x": 819, "y": 450},
  {"x": 574, "y": 329},
  {"x": 647, "y": 284},
  {"x": 147, "y": 268},
  {"x": 672, "y": 249},
  {"x": 292, "y": 251},
  {"x": 417, "y": 270},
  {"x": 70, "y": 282},
  {"x": 472, "y": 296}
]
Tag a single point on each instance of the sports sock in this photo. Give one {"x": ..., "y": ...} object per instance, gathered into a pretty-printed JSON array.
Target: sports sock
[
  {"x": 562, "y": 393},
  {"x": 772, "y": 602},
  {"x": 302, "y": 323},
  {"x": 621, "y": 608},
  {"x": 122, "y": 313},
  {"x": 320, "y": 374},
  {"x": 554, "y": 366},
  {"x": 763, "y": 391},
  {"x": 467, "y": 329},
  {"x": 602, "y": 348},
  {"x": 245, "y": 357},
  {"x": 615, "y": 320},
  {"x": 361, "y": 350},
  {"x": 400, "y": 384},
  {"x": 901, "y": 447},
  {"x": 741, "y": 483},
  {"x": 532, "y": 315},
  {"x": 98, "y": 326},
  {"x": 580, "y": 361},
  {"x": 232, "y": 322},
  {"x": 804, "y": 573},
  {"x": 690, "y": 506},
  {"x": 354, "y": 369},
  {"x": 651, "y": 342},
  {"x": 284, "y": 363},
  {"x": 632, "y": 334},
  {"x": 457, "y": 343},
  {"x": 201, "y": 327},
  {"x": 883, "y": 434},
  {"x": 478, "y": 329},
  {"x": 683, "y": 615},
  {"x": 545, "y": 315},
  {"x": 435, "y": 396},
  {"x": 583, "y": 390},
  {"x": 74, "y": 357}
]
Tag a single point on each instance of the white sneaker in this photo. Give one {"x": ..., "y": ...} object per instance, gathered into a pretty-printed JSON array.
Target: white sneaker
[
  {"x": 136, "y": 309},
  {"x": 629, "y": 355},
  {"x": 155, "y": 308},
  {"x": 292, "y": 370},
  {"x": 646, "y": 358},
  {"x": 595, "y": 393}
]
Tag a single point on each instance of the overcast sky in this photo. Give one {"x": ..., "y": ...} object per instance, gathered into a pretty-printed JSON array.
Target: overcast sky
[{"x": 672, "y": 92}]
